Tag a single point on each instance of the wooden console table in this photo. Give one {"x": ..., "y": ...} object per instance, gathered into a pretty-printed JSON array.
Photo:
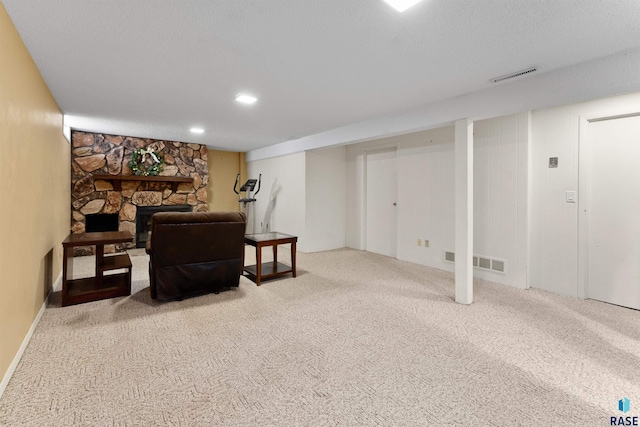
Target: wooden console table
[
  {"x": 268, "y": 270},
  {"x": 101, "y": 286}
]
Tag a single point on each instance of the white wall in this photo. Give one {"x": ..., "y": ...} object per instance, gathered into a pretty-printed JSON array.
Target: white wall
[
  {"x": 280, "y": 205},
  {"x": 554, "y": 223},
  {"x": 426, "y": 195},
  {"x": 500, "y": 196},
  {"x": 507, "y": 150},
  {"x": 326, "y": 198},
  {"x": 303, "y": 194},
  {"x": 425, "y": 204},
  {"x": 356, "y": 201}
]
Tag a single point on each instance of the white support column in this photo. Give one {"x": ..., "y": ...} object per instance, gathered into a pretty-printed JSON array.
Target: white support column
[{"x": 464, "y": 211}]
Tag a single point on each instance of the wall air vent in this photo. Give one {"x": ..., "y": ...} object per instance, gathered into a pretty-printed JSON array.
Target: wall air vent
[
  {"x": 484, "y": 262},
  {"x": 481, "y": 262},
  {"x": 497, "y": 265},
  {"x": 514, "y": 75}
]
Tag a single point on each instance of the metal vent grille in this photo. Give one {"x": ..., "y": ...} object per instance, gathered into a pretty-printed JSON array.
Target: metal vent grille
[
  {"x": 497, "y": 265},
  {"x": 483, "y": 263},
  {"x": 514, "y": 75}
]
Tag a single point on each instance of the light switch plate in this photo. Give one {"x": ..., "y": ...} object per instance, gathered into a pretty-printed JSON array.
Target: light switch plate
[{"x": 571, "y": 196}]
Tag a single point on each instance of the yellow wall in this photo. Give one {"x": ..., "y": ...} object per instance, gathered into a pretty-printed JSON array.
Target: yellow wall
[
  {"x": 223, "y": 168},
  {"x": 34, "y": 190}
]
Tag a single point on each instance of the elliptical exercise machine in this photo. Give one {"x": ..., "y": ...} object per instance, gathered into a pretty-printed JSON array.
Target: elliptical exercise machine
[{"x": 248, "y": 198}]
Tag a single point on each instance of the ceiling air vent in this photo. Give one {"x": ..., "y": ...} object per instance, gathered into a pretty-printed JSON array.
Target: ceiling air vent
[{"x": 514, "y": 75}]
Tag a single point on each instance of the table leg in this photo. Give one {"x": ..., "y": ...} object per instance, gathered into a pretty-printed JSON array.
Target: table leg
[
  {"x": 99, "y": 265},
  {"x": 244, "y": 247},
  {"x": 275, "y": 257},
  {"x": 293, "y": 258},
  {"x": 258, "y": 264},
  {"x": 67, "y": 272}
]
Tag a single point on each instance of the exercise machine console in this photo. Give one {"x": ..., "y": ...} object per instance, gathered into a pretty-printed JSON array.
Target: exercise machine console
[{"x": 247, "y": 188}]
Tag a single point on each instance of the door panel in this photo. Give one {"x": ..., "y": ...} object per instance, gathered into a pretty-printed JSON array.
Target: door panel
[
  {"x": 613, "y": 273},
  {"x": 381, "y": 199}
]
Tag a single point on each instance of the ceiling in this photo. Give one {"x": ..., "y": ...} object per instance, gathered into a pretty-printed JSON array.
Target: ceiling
[{"x": 156, "y": 68}]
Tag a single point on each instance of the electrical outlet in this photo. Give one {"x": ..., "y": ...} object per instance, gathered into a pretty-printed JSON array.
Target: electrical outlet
[
  {"x": 419, "y": 242},
  {"x": 426, "y": 243}
]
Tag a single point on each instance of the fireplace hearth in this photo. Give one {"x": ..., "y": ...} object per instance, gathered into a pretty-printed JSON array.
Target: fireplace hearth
[{"x": 143, "y": 220}]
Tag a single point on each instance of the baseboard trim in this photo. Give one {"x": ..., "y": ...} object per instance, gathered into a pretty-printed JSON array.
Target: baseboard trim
[{"x": 25, "y": 341}]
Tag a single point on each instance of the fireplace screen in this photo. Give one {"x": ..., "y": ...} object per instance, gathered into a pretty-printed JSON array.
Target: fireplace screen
[{"x": 143, "y": 220}]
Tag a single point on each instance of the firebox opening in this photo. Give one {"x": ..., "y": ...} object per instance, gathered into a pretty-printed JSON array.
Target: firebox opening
[{"x": 100, "y": 222}]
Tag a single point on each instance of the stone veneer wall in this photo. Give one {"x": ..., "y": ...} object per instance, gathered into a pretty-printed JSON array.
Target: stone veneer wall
[{"x": 93, "y": 153}]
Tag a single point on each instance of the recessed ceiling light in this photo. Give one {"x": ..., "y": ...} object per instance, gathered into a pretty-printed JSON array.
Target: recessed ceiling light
[
  {"x": 401, "y": 5},
  {"x": 196, "y": 130},
  {"x": 246, "y": 99}
]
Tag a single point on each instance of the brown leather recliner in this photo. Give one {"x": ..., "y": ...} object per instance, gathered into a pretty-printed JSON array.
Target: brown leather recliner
[{"x": 192, "y": 253}]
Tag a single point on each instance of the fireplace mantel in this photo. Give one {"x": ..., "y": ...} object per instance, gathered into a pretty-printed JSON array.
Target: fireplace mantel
[{"x": 116, "y": 180}]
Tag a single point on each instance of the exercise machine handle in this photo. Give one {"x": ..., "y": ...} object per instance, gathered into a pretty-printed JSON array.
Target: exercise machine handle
[
  {"x": 259, "y": 181},
  {"x": 236, "y": 184}
]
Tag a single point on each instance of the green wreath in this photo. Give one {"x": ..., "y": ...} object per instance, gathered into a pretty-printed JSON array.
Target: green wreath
[{"x": 146, "y": 162}]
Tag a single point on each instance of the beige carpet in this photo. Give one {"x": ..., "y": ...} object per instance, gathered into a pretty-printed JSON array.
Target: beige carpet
[{"x": 356, "y": 340}]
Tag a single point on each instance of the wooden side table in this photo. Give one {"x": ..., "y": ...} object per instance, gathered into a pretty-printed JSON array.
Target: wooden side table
[
  {"x": 268, "y": 270},
  {"x": 101, "y": 286}
]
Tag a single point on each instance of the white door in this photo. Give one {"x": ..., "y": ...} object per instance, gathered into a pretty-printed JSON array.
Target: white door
[
  {"x": 613, "y": 273},
  {"x": 381, "y": 202}
]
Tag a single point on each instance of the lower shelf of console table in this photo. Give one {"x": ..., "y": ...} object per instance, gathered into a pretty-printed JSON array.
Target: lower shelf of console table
[
  {"x": 268, "y": 270},
  {"x": 107, "y": 282},
  {"x": 85, "y": 290}
]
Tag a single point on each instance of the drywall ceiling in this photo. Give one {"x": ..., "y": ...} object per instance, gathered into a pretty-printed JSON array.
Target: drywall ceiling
[{"x": 155, "y": 68}]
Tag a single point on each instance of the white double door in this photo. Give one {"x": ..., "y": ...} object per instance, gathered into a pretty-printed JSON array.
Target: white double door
[{"x": 613, "y": 243}]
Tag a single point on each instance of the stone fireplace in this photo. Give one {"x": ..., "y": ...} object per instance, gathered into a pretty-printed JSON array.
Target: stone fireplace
[{"x": 99, "y": 165}]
